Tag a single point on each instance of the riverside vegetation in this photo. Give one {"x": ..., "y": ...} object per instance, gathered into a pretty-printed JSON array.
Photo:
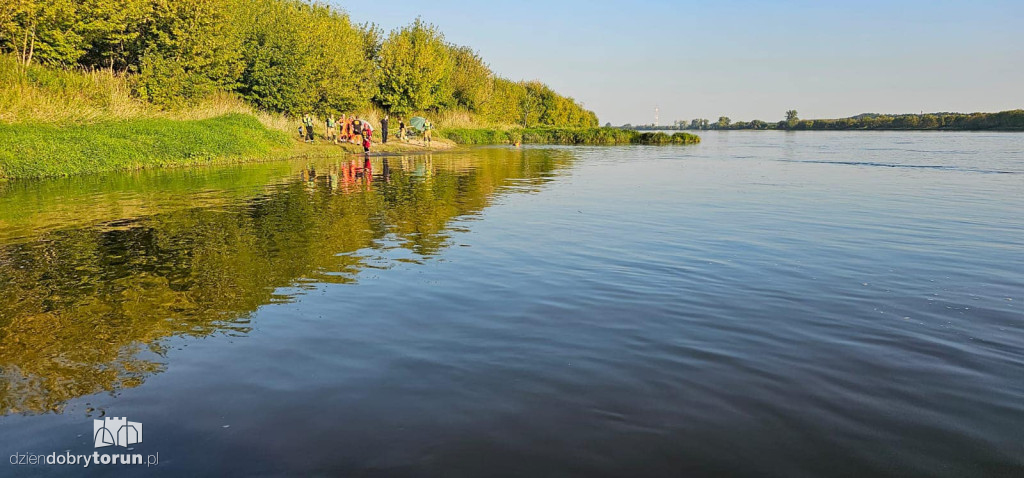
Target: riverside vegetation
[
  {"x": 565, "y": 136},
  {"x": 1012, "y": 120},
  {"x": 98, "y": 86},
  {"x": 282, "y": 56}
]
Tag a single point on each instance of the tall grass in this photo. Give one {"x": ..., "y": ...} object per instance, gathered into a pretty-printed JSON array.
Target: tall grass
[
  {"x": 41, "y": 95},
  {"x": 44, "y": 95}
]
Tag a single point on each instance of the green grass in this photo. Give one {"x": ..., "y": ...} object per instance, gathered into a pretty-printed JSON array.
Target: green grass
[
  {"x": 44, "y": 150},
  {"x": 594, "y": 136}
]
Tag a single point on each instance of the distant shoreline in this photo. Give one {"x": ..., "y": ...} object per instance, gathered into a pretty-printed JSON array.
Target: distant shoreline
[
  {"x": 879, "y": 130},
  {"x": 1011, "y": 120}
]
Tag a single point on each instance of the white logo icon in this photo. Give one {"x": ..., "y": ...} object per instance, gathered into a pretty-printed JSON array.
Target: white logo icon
[{"x": 116, "y": 431}]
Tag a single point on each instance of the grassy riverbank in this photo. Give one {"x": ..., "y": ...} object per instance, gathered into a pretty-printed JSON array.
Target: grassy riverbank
[
  {"x": 56, "y": 122},
  {"x": 43, "y": 150},
  {"x": 593, "y": 136}
]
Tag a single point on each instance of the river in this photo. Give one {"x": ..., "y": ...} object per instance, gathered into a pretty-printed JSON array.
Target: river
[{"x": 760, "y": 304}]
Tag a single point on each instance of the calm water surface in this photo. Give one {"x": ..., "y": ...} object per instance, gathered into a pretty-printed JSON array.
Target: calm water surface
[{"x": 762, "y": 304}]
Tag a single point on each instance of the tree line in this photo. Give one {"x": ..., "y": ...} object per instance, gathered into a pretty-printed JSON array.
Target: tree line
[
  {"x": 288, "y": 56},
  {"x": 1005, "y": 120}
]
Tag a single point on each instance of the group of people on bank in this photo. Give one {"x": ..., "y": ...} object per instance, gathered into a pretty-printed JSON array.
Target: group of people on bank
[{"x": 356, "y": 130}]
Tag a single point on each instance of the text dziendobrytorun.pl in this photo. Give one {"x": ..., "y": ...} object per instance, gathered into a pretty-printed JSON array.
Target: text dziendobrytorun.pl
[{"x": 95, "y": 458}]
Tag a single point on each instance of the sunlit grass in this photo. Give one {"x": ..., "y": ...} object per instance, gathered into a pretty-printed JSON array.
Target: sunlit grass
[
  {"x": 53, "y": 96},
  {"x": 37, "y": 150}
]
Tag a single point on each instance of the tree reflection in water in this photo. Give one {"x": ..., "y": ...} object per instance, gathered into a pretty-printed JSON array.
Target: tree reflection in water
[{"x": 95, "y": 272}]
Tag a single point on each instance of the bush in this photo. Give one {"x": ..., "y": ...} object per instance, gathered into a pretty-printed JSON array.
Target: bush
[{"x": 594, "y": 136}]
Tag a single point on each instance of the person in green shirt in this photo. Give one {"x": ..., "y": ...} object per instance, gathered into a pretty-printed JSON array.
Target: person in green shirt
[
  {"x": 331, "y": 133},
  {"x": 426, "y": 132}
]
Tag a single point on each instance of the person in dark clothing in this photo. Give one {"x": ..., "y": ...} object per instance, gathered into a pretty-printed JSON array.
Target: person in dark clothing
[
  {"x": 308, "y": 121},
  {"x": 384, "y": 129},
  {"x": 357, "y": 129}
]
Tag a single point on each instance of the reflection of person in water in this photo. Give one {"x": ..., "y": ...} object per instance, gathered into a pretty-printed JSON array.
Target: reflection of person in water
[
  {"x": 349, "y": 172},
  {"x": 386, "y": 171},
  {"x": 357, "y": 170},
  {"x": 332, "y": 177}
]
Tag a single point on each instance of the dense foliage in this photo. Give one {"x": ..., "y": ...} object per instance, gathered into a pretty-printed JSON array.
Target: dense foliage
[
  {"x": 289, "y": 56},
  {"x": 593, "y": 136},
  {"x": 1004, "y": 120}
]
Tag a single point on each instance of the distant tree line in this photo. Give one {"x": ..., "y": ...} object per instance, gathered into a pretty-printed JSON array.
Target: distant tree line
[
  {"x": 290, "y": 56},
  {"x": 1006, "y": 120}
]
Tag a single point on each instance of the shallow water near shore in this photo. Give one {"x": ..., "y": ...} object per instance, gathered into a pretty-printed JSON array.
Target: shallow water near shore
[{"x": 760, "y": 304}]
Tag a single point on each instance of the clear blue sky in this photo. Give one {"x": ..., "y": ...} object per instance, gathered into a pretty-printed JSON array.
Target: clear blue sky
[{"x": 742, "y": 59}]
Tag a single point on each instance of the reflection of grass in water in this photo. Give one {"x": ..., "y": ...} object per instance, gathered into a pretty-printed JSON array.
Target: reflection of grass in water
[
  {"x": 31, "y": 207},
  {"x": 80, "y": 306}
]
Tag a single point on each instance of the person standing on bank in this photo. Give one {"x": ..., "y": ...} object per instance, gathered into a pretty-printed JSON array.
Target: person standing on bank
[
  {"x": 401, "y": 129},
  {"x": 384, "y": 130},
  {"x": 308, "y": 121},
  {"x": 357, "y": 130},
  {"x": 426, "y": 132},
  {"x": 346, "y": 129},
  {"x": 331, "y": 133}
]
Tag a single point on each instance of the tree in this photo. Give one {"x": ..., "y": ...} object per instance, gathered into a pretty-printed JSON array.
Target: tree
[
  {"x": 472, "y": 82},
  {"x": 192, "y": 47},
  {"x": 792, "y": 119},
  {"x": 291, "y": 56},
  {"x": 503, "y": 105},
  {"x": 531, "y": 103},
  {"x": 302, "y": 58},
  {"x": 49, "y": 32},
  {"x": 415, "y": 68},
  {"x": 723, "y": 122},
  {"x": 111, "y": 31}
]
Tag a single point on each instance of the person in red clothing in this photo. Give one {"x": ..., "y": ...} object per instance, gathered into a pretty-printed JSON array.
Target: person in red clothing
[{"x": 367, "y": 134}]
